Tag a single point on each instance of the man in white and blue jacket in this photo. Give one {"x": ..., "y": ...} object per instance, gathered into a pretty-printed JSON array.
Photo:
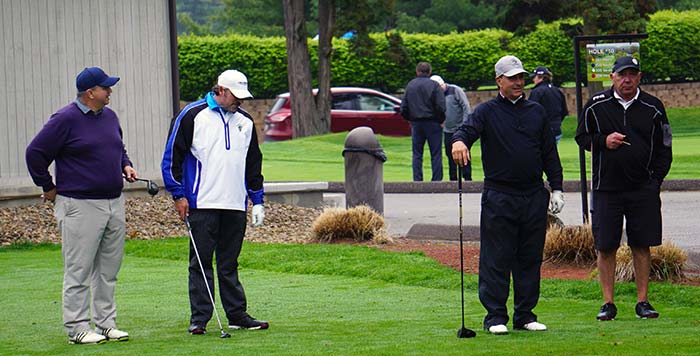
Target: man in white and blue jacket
[{"x": 211, "y": 165}]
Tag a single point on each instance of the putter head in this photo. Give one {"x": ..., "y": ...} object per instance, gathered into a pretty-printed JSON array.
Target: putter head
[
  {"x": 465, "y": 333},
  {"x": 225, "y": 335},
  {"x": 152, "y": 187}
]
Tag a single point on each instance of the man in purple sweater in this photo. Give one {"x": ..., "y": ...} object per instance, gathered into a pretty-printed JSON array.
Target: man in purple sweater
[{"x": 84, "y": 139}]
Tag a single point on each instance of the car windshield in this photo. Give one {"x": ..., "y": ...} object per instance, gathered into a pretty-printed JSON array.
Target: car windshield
[{"x": 279, "y": 103}]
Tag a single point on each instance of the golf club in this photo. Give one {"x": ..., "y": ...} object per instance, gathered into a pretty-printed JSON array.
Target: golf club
[
  {"x": 150, "y": 185},
  {"x": 224, "y": 335},
  {"x": 463, "y": 332}
]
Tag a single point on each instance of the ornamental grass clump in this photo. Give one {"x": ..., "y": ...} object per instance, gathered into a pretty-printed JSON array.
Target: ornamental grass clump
[
  {"x": 359, "y": 223},
  {"x": 570, "y": 244},
  {"x": 667, "y": 263}
]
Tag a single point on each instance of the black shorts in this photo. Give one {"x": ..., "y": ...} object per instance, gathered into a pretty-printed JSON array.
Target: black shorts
[{"x": 640, "y": 208}]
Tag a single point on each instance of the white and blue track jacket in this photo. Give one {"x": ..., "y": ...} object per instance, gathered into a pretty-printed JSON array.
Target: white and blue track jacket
[{"x": 212, "y": 157}]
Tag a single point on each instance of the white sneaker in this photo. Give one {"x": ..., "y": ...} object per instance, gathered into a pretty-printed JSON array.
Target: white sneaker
[
  {"x": 115, "y": 334},
  {"x": 534, "y": 326},
  {"x": 87, "y": 337},
  {"x": 499, "y": 329}
]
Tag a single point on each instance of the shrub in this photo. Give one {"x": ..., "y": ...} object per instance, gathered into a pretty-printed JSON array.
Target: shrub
[
  {"x": 570, "y": 244},
  {"x": 667, "y": 263},
  {"x": 673, "y": 43},
  {"x": 359, "y": 223}
]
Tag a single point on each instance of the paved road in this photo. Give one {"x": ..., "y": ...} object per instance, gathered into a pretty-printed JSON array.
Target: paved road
[{"x": 681, "y": 213}]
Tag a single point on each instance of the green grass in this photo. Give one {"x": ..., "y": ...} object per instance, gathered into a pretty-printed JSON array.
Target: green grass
[
  {"x": 331, "y": 300},
  {"x": 319, "y": 158}
]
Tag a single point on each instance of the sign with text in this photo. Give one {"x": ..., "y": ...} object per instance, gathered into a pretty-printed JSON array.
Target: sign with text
[{"x": 601, "y": 56}]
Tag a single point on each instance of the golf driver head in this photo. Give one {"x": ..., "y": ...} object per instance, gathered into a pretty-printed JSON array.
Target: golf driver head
[
  {"x": 465, "y": 333},
  {"x": 152, "y": 187},
  {"x": 225, "y": 335}
]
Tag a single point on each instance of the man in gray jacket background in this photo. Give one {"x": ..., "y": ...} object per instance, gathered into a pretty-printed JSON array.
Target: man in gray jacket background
[{"x": 457, "y": 108}]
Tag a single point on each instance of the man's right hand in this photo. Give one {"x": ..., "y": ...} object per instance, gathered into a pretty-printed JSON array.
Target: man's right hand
[
  {"x": 460, "y": 153},
  {"x": 183, "y": 208},
  {"x": 50, "y": 195}
]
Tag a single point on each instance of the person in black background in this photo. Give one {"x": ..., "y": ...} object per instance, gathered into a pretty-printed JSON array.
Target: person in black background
[
  {"x": 423, "y": 104},
  {"x": 628, "y": 134},
  {"x": 550, "y": 97}
]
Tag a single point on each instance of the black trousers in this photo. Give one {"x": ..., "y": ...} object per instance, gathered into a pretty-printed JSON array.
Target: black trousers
[
  {"x": 513, "y": 229},
  {"x": 466, "y": 170},
  {"x": 219, "y": 231}
]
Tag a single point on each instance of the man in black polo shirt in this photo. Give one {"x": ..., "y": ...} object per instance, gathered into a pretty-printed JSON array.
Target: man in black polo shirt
[{"x": 517, "y": 146}]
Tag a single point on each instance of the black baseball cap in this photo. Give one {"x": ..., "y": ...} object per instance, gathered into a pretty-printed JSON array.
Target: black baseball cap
[{"x": 624, "y": 62}]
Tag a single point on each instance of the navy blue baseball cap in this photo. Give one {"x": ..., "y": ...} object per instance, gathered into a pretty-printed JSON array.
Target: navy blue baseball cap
[
  {"x": 541, "y": 70},
  {"x": 624, "y": 62},
  {"x": 92, "y": 76}
]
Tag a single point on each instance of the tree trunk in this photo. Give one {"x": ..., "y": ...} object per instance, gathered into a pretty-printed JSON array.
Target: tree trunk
[
  {"x": 305, "y": 115},
  {"x": 326, "y": 19}
]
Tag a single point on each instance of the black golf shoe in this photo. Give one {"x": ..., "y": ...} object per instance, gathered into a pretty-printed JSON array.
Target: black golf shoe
[
  {"x": 195, "y": 329},
  {"x": 644, "y": 310},
  {"x": 249, "y": 323},
  {"x": 607, "y": 312}
]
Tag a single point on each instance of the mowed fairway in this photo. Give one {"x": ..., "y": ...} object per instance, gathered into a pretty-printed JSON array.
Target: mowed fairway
[
  {"x": 331, "y": 300},
  {"x": 319, "y": 158}
]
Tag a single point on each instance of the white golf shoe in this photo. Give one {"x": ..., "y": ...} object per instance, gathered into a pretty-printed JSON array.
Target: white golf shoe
[
  {"x": 87, "y": 338},
  {"x": 499, "y": 329},
  {"x": 534, "y": 326},
  {"x": 113, "y": 334}
]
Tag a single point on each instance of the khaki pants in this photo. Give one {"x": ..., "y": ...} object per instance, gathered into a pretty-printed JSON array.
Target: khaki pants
[{"x": 93, "y": 232}]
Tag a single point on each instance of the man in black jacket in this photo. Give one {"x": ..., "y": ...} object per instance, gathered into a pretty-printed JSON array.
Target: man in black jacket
[
  {"x": 517, "y": 146},
  {"x": 550, "y": 97},
  {"x": 423, "y": 104},
  {"x": 627, "y": 132}
]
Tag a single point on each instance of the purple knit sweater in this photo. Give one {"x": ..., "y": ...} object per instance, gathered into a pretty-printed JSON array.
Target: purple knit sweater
[{"x": 88, "y": 150}]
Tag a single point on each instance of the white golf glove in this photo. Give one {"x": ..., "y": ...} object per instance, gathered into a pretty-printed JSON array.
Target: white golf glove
[
  {"x": 556, "y": 202},
  {"x": 257, "y": 215}
]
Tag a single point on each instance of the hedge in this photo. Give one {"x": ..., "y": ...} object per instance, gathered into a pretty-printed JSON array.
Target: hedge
[{"x": 465, "y": 58}]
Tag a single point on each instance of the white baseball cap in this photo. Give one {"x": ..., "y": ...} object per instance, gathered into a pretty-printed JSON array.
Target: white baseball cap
[
  {"x": 236, "y": 82},
  {"x": 509, "y": 66},
  {"x": 438, "y": 79}
]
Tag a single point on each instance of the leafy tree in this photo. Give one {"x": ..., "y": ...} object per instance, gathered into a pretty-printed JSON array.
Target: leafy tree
[
  {"x": 193, "y": 15},
  {"x": 186, "y": 25},
  {"x": 254, "y": 17},
  {"x": 608, "y": 17},
  {"x": 680, "y": 5},
  {"x": 311, "y": 113}
]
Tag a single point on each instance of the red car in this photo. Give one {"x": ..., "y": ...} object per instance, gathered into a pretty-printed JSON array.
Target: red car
[{"x": 351, "y": 108}]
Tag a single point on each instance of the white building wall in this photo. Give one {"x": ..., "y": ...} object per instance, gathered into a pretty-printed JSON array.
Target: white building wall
[{"x": 46, "y": 43}]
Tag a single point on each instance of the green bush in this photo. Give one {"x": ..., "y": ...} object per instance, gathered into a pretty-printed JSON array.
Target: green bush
[
  {"x": 549, "y": 46},
  {"x": 673, "y": 46},
  {"x": 202, "y": 59},
  {"x": 465, "y": 59}
]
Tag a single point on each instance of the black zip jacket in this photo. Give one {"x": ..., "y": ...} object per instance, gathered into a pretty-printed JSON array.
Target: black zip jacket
[
  {"x": 517, "y": 145},
  {"x": 554, "y": 103},
  {"x": 647, "y": 129},
  {"x": 424, "y": 99}
]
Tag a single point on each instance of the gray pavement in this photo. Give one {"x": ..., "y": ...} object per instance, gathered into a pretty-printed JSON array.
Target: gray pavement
[{"x": 431, "y": 214}]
